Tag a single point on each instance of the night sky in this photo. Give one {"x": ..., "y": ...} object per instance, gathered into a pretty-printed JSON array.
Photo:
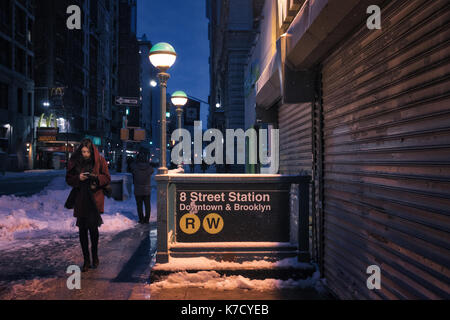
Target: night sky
[{"x": 184, "y": 25}]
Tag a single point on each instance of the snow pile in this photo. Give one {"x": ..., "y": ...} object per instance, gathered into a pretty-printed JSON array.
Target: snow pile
[
  {"x": 207, "y": 276},
  {"x": 213, "y": 280},
  {"x": 176, "y": 171},
  {"x": 44, "y": 213},
  {"x": 202, "y": 263}
]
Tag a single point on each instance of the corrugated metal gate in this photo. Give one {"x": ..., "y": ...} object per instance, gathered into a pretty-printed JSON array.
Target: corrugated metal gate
[
  {"x": 386, "y": 149},
  {"x": 294, "y": 121},
  {"x": 295, "y": 124}
]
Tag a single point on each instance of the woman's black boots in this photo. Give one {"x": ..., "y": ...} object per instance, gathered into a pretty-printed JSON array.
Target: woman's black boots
[
  {"x": 87, "y": 260},
  {"x": 95, "y": 261},
  {"x": 94, "y": 247},
  {"x": 85, "y": 248},
  {"x": 86, "y": 265}
]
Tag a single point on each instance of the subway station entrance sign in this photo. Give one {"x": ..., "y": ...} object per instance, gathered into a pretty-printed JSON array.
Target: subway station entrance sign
[{"x": 232, "y": 213}]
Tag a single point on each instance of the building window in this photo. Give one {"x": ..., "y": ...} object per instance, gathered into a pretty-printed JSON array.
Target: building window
[
  {"x": 5, "y": 16},
  {"x": 4, "y": 96},
  {"x": 30, "y": 104},
  {"x": 30, "y": 66},
  {"x": 19, "y": 100},
  {"x": 5, "y": 53},
  {"x": 20, "y": 61},
  {"x": 21, "y": 25},
  {"x": 30, "y": 32}
]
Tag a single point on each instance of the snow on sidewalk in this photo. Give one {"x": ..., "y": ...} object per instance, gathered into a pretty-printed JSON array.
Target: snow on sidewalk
[
  {"x": 43, "y": 215},
  {"x": 208, "y": 277},
  {"x": 213, "y": 280},
  {"x": 202, "y": 263}
]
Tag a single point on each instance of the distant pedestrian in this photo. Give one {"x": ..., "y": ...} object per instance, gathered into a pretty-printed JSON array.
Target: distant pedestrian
[
  {"x": 142, "y": 172},
  {"x": 88, "y": 174}
]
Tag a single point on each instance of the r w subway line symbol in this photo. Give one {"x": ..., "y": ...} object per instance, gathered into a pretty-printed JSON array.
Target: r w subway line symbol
[{"x": 190, "y": 223}]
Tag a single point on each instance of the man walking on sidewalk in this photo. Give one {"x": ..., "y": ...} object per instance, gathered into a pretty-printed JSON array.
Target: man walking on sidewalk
[{"x": 142, "y": 172}]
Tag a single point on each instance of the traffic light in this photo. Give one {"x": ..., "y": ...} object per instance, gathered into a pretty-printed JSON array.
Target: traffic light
[
  {"x": 124, "y": 134},
  {"x": 139, "y": 135},
  {"x": 132, "y": 134}
]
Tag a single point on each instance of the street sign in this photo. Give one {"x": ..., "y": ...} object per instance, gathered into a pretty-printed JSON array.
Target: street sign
[
  {"x": 95, "y": 140},
  {"x": 47, "y": 134},
  {"x": 232, "y": 213},
  {"x": 124, "y": 101}
]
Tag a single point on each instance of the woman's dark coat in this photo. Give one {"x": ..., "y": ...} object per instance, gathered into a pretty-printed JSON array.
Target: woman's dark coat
[{"x": 100, "y": 169}]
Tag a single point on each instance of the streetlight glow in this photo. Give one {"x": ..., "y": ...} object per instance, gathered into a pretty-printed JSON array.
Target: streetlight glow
[
  {"x": 153, "y": 83},
  {"x": 162, "y": 56},
  {"x": 179, "y": 98}
]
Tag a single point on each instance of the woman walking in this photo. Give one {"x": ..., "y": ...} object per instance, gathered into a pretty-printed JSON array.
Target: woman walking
[
  {"x": 87, "y": 173},
  {"x": 142, "y": 172}
]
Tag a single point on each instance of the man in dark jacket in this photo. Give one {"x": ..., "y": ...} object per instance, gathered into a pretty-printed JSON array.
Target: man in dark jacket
[{"x": 142, "y": 172}]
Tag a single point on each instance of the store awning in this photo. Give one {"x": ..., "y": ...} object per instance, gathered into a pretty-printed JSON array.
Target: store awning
[{"x": 320, "y": 25}]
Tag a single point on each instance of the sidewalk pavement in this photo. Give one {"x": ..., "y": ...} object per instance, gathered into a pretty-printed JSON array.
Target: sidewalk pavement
[
  {"x": 236, "y": 294},
  {"x": 124, "y": 265},
  {"x": 124, "y": 273}
]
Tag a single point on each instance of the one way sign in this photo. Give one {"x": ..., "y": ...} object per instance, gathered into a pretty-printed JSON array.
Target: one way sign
[{"x": 123, "y": 101}]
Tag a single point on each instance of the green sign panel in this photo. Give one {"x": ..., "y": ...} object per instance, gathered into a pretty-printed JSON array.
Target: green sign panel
[{"x": 95, "y": 140}]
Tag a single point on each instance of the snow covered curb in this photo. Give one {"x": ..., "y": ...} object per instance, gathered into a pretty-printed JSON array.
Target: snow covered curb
[
  {"x": 202, "y": 263},
  {"x": 213, "y": 280},
  {"x": 206, "y": 273}
]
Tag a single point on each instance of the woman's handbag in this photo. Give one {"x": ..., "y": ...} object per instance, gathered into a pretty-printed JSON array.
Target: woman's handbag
[{"x": 70, "y": 202}]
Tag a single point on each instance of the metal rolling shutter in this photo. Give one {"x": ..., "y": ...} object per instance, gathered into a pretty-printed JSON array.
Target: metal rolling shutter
[
  {"x": 294, "y": 121},
  {"x": 295, "y": 125},
  {"x": 386, "y": 184}
]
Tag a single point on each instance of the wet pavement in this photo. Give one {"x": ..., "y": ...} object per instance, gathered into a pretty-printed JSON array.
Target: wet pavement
[
  {"x": 38, "y": 271},
  {"x": 238, "y": 294}
]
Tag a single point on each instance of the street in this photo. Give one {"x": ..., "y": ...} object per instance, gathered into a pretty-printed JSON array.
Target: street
[
  {"x": 27, "y": 184},
  {"x": 38, "y": 271}
]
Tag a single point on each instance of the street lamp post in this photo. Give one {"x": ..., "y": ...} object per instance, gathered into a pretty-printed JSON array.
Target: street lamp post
[
  {"x": 179, "y": 99},
  {"x": 163, "y": 56}
]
